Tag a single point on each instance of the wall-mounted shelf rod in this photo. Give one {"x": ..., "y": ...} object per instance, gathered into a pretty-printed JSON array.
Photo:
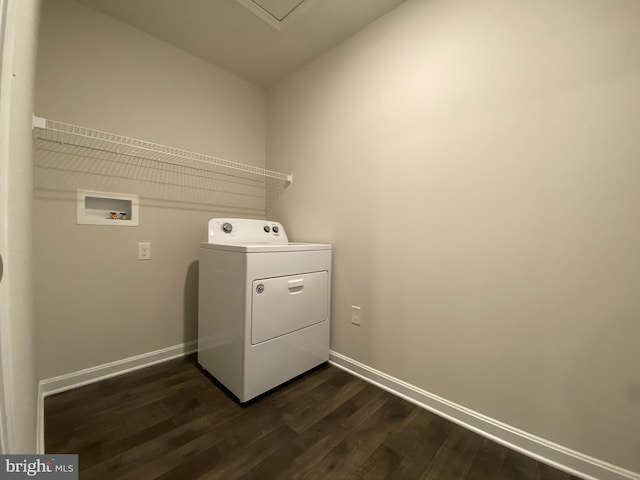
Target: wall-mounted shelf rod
[{"x": 54, "y": 131}]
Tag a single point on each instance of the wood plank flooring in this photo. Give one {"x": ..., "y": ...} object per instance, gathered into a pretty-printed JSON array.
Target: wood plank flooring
[{"x": 172, "y": 421}]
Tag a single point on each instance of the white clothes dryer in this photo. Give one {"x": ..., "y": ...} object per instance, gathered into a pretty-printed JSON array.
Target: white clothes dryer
[{"x": 263, "y": 307}]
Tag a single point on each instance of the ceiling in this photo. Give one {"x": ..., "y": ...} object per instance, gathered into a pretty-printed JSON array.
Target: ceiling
[{"x": 259, "y": 40}]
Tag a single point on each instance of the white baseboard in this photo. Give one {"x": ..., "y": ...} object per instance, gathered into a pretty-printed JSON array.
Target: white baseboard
[
  {"x": 543, "y": 450},
  {"x": 77, "y": 379}
]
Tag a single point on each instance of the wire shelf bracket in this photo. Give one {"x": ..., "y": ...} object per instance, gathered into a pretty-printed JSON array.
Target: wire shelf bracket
[{"x": 52, "y": 130}]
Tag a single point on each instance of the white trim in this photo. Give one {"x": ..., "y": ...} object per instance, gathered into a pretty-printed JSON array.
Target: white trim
[
  {"x": 543, "y": 450},
  {"x": 279, "y": 24},
  {"x": 7, "y": 36},
  {"x": 40, "y": 422},
  {"x": 77, "y": 379}
]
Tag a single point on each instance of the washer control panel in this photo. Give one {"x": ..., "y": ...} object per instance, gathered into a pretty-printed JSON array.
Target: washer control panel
[{"x": 245, "y": 230}]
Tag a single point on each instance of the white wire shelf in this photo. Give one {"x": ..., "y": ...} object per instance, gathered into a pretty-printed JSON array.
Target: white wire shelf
[{"x": 64, "y": 133}]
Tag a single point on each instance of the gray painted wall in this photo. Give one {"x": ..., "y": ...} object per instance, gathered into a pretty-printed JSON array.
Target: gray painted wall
[
  {"x": 475, "y": 165},
  {"x": 95, "y": 303}
]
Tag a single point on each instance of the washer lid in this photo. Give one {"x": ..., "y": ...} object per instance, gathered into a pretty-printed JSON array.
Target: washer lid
[{"x": 266, "y": 247}]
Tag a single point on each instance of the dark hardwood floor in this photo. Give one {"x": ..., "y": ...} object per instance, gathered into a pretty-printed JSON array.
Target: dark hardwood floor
[{"x": 171, "y": 421}]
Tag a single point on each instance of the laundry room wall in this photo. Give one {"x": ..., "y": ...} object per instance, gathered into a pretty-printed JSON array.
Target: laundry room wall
[
  {"x": 95, "y": 302},
  {"x": 475, "y": 165}
]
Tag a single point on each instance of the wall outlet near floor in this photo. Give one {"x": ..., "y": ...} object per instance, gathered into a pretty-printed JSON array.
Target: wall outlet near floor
[
  {"x": 355, "y": 315},
  {"x": 144, "y": 251}
]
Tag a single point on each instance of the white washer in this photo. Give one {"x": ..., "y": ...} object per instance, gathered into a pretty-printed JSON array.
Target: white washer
[{"x": 263, "y": 308}]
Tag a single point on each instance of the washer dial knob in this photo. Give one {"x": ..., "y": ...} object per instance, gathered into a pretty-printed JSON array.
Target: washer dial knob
[{"x": 227, "y": 227}]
